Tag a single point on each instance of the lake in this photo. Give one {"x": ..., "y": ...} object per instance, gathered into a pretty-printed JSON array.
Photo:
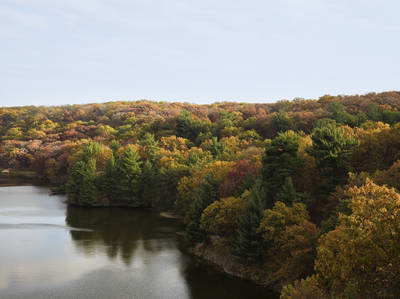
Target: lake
[{"x": 52, "y": 250}]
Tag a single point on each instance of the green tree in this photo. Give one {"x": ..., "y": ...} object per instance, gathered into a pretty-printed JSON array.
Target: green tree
[
  {"x": 109, "y": 180},
  {"x": 81, "y": 186},
  {"x": 208, "y": 193},
  {"x": 373, "y": 113},
  {"x": 148, "y": 184},
  {"x": 341, "y": 116},
  {"x": 189, "y": 128},
  {"x": 332, "y": 150},
  {"x": 281, "y": 161},
  {"x": 128, "y": 177},
  {"x": 247, "y": 241},
  {"x": 289, "y": 195},
  {"x": 216, "y": 148},
  {"x": 193, "y": 232},
  {"x": 151, "y": 148},
  {"x": 282, "y": 122}
]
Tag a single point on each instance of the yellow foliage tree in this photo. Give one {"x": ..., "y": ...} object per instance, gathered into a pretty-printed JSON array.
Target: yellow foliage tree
[
  {"x": 290, "y": 239},
  {"x": 221, "y": 217},
  {"x": 362, "y": 255}
]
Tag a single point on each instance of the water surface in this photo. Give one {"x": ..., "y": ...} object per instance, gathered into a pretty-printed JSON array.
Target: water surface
[{"x": 51, "y": 250}]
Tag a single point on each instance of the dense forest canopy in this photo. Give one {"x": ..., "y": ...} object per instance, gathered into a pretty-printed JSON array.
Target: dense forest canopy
[{"x": 302, "y": 195}]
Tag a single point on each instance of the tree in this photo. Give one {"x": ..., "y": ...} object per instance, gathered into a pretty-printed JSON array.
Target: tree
[
  {"x": 208, "y": 193},
  {"x": 148, "y": 184},
  {"x": 290, "y": 240},
  {"x": 239, "y": 178},
  {"x": 275, "y": 220},
  {"x": 289, "y": 195},
  {"x": 151, "y": 149},
  {"x": 216, "y": 148},
  {"x": 333, "y": 150},
  {"x": 247, "y": 241},
  {"x": 128, "y": 177},
  {"x": 341, "y": 116},
  {"x": 193, "y": 232},
  {"x": 296, "y": 251},
  {"x": 109, "y": 180},
  {"x": 281, "y": 160},
  {"x": 81, "y": 186},
  {"x": 362, "y": 254},
  {"x": 390, "y": 177},
  {"x": 308, "y": 288},
  {"x": 189, "y": 128},
  {"x": 221, "y": 217},
  {"x": 282, "y": 122}
]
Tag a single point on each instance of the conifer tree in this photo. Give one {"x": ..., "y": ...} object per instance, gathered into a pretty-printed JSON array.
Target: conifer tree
[
  {"x": 247, "y": 242},
  {"x": 108, "y": 181},
  {"x": 81, "y": 187},
  {"x": 209, "y": 192},
  {"x": 289, "y": 195},
  {"x": 128, "y": 174},
  {"x": 148, "y": 184},
  {"x": 333, "y": 150},
  {"x": 281, "y": 160}
]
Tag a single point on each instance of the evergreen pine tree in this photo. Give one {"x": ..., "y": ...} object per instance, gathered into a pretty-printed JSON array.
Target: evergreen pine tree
[
  {"x": 209, "y": 192},
  {"x": 81, "y": 188},
  {"x": 289, "y": 195},
  {"x": 280, "y": 161},
  {"x": 128, "y": 174},
  {"x": 333, "y": 151},
  {"x": 193, "y": 233},
  {"x": 148, "y": 184},
  {"x": 108, "y": 180},
  {"x": 247, "y": 242}
]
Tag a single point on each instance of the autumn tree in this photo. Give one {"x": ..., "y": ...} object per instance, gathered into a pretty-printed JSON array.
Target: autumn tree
[
  {"x": 362, "y": 254},
  {"x": 239, "y": 178},
  {"x": 221, "y": 217},
  {"x": 290, "y": 240}
]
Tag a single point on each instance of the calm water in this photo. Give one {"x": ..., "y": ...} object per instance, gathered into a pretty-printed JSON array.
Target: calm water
[{"x": 51, "y": 250}]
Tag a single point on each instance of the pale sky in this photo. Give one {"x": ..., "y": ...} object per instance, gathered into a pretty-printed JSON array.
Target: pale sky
[{"x": 79, "y": 51}]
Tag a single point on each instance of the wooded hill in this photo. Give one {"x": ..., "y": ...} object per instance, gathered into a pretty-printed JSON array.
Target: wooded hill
[{"x": 301, "y": 194}]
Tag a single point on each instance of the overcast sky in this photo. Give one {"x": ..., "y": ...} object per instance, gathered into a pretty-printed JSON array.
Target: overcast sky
[{"x": 78, "y": 51}]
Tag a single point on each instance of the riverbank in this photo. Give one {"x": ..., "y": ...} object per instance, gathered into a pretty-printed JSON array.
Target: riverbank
[{"x": 220, "y": 258}]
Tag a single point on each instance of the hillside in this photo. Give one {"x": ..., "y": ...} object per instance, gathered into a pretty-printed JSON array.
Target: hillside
[{"x": 292, "y": 190}]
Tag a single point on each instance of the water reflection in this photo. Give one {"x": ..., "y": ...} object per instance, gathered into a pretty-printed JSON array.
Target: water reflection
[
  {"x": 118, "y": 232},
  {"x": 126, "y": 233}
]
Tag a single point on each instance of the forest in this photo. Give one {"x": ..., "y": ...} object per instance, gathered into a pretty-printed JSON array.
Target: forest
[{"x": 302, "y": 196}]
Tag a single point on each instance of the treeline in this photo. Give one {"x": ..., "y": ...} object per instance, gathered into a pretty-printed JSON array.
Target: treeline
[{"x": 300, "y": 195}]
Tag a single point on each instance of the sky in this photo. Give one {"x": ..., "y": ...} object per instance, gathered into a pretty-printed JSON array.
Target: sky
[{"x": 55, "y": 52}]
